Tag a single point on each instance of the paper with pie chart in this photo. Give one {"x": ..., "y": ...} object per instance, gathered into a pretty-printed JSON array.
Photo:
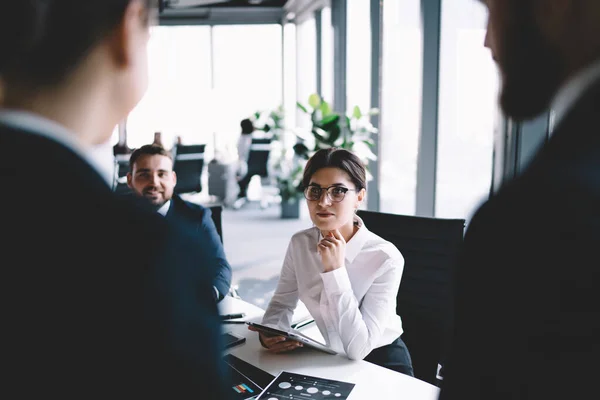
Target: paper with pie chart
[{"x": 290, "y": 386}]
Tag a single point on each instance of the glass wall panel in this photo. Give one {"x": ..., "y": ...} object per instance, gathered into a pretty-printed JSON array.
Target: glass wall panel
[
  {"x": 326, "y": 55},
  {"x": 306, "y": 66},
  {"x": 201, "y": 90},
  {"x": 178, "y": 100},
  {"x": 289, "y": 74},
  {"x": 467, "y": 110},
  {"x": 247, "y": 76},
  {"x": 358, "y": 64},
  {"x": 401, "y": 98}
]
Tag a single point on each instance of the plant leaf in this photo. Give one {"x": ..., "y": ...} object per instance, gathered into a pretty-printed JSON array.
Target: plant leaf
[
  {"x": 300, "y": 106},
  {"x": 356, "y": 112},
  {"x": 325, "y": 109},
  {"x": 314, "y": 100},
  {"x": 329, "y": 120}
]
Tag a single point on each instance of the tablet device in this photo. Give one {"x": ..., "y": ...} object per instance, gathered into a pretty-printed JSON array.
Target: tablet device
[
  {"x": 231, "y": 339},
  {"x": 293, "y": 335}
]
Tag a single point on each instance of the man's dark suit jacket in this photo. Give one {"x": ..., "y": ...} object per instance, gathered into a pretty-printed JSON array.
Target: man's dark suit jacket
[
  {"x": 100, "y": 297},
  {"x": 527, "y": 290},
  {"x": 198, "y": 220}
]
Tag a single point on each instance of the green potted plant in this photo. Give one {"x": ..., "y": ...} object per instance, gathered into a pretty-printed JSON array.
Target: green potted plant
[
  {"x": 287, "y": 169},
  {"x": 284, "y": 165},
  {"x": 352, "y": 131},
  {"x": 290, "y": 150}
]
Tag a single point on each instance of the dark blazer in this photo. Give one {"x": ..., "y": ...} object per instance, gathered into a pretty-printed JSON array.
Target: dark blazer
[
  {"x": 527, "y": 300},
  {"x": 198, "y": 220},
  {"x": 101, "y": 297}
]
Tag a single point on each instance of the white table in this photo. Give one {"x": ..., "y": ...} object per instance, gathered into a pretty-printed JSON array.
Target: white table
[{"x": 372, "y": 381}]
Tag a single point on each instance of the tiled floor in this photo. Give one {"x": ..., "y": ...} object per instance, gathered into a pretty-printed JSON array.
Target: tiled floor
[{"x": 255, "y": 243}]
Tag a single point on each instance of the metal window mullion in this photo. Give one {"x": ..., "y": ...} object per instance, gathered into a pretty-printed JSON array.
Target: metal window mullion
[
  {"x": 427, "y": 156},
  {"x": 339, "y": 12},
  {"x": 373, "y": 199},
  {"x": 319, "y": 47}
]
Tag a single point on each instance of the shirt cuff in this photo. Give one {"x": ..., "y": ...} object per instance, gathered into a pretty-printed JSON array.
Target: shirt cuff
[{"x": 336, "y": 281}]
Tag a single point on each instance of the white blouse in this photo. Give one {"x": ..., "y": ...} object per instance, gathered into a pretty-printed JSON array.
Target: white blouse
[{"x": 354, "y": 306}]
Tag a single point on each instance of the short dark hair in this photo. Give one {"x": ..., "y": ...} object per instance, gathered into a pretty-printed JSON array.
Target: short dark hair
[
  {"x": 41, "y": 41},
  {"x": 150, "y": 150},
  {"x": 336, "y": 157},
  {"x": 247, "y": 126}
]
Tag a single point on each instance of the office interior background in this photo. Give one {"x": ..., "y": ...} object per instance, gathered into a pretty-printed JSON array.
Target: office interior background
[{"x": 442, "y": 144}]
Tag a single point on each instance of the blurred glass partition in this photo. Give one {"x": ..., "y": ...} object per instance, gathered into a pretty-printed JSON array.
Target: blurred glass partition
[
  {"x": 468, "y": 112},
  {"x": 401, "y": 100}
]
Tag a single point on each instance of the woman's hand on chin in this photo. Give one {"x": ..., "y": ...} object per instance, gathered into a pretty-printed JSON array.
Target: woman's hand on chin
[{"x": 332, "y": 249}]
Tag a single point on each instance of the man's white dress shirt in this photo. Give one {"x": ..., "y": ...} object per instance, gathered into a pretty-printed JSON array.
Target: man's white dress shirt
[
  {"x": 353, "y": 306},
  {"x": 571, "y": 91},
  {"x": 164, "y": 208}
]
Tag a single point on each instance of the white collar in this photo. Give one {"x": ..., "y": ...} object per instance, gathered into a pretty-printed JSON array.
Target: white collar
[
  {"x": 571, "y": 91},
  {"x": 164, "y": 208},
  {"x": 41, "y": 126}
]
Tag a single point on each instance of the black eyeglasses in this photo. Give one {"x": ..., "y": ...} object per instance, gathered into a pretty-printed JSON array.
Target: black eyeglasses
[{"x": 335, "y": 193}]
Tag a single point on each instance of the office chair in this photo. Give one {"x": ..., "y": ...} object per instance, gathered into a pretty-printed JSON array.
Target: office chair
[
  {"x": 430, "y": 247},
  {"x": 258, "y": 164},
  {"x": 121, "y": 170},
  {"x": 188, "y": 165}
]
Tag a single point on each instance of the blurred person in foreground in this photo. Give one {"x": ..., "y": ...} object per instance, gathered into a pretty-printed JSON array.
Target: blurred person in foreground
[
  {"x": 99, "y": 300},
  {"x": 527, "y": 298},
  {"x": 151, "y": 176}
]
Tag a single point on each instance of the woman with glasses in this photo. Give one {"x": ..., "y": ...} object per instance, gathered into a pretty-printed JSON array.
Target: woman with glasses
[{"x": 347, "y": 276}]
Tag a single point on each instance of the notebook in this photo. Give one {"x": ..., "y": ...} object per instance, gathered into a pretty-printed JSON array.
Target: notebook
[{"x": 246, "y": 380}]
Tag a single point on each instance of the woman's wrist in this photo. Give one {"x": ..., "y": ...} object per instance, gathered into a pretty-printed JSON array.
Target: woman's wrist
[{"x": 330, "y": 269}]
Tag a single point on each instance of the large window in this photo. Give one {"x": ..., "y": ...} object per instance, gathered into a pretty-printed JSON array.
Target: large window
[
  {"x": 204, "y": 81},
  {"x": 401, "y": 98},
  {"x": 467, "y": 110},
  {"x": 289, "y": 74},
  {"x": 178, "y": 100},
  {"x": 247, "y": 75},
  {"x": 326, "y": 55},
  {"x": 358, "y": 64},
  {"x": 306, "y": 66}
]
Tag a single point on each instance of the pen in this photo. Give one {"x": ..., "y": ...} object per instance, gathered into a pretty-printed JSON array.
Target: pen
[
  {"x": 227, "y": 321},
  {"x": 303, "y": 323},
  {"x": 233, "y": 316}
]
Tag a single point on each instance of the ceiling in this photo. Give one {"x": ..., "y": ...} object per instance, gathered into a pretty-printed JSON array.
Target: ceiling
[
  {"x": 173, "y": 4},
  {"x": 218, "y": 12}
]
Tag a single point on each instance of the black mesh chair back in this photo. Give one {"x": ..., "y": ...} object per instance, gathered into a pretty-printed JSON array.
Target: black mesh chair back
[
  {"x": 188, "y": 165},
  {"x": 122, "y": 168},
  {"x": 430, "y": 248},
  {"x": 258, "y": 157}
]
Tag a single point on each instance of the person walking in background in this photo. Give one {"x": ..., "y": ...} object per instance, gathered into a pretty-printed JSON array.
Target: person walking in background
[
  {"x": 243, "y": 149},
  {"x": 347, "y": 276},
  {"x": 527, "y": 299},
  {"x": 158, "y": 139},
  {"x": 102, "y": 296},
  {"x": 151, "y": 176}
]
